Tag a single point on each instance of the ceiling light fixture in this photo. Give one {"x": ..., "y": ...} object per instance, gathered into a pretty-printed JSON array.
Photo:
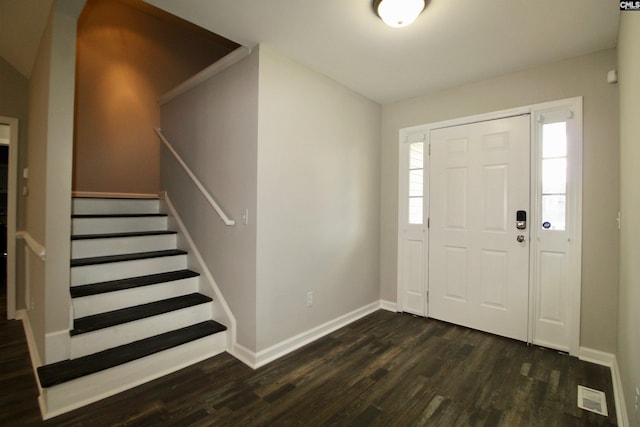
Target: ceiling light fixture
[{"x": 398, "y": 13}]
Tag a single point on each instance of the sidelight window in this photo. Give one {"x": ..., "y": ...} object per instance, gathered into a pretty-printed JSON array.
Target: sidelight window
[
  {"x": 416, "y": 182},
  {"x": 554, "y": 176}
]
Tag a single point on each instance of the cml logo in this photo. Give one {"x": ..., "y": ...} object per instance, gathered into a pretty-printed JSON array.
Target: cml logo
[{"x": 629, "y": 5}]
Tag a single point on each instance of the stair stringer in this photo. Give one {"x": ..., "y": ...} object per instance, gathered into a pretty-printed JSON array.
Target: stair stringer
[{"x": 221, "y": 311}]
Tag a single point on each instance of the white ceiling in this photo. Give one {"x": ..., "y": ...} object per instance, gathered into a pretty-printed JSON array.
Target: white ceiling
[{"x": 453, "y": 42}]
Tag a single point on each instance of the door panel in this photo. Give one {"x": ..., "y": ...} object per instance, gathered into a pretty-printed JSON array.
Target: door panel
[
  {"x": 414, "y": 267},
  {"x": 456, "y": 278},
  {"x": 494, "y": 282},
  {"x": 478, "y": 271}
]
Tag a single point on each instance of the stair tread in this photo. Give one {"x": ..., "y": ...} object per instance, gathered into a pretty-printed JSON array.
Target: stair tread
[
  {"x": 79, "y": 262},
  {"x": 119, "y": 215},
  {"x": 68, "y": 370},
  {"x": 124, "y": 315},
  {"x": 127, "y": 234},
  {"x": 129, "y": 283}
]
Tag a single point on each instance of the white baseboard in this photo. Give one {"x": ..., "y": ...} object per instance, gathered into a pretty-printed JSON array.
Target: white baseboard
[
  {"x": 34, "y": 355},
  {"x": 276, "y": 351},
  {"x": 609, "y": 360},
  {"x": 389, "y": 305},
  {"x": 596, "y": 356},
  {"x": 110, "y": 195},
  {"x": 244, "y": 355},
  {"x": 31, "y": 341}
]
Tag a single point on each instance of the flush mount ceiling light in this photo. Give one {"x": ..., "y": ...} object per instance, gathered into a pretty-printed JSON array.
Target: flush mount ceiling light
[{"x": 398, "y": 13}]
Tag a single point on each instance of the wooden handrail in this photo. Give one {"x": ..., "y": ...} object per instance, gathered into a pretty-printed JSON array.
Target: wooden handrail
[{"x": 196, "y": 181}]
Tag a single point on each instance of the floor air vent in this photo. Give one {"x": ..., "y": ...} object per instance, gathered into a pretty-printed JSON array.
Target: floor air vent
[{"x": 592, "y": 400}]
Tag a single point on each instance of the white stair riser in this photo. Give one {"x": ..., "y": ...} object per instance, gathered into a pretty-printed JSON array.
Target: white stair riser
[
  {"x": 101, "y": 303},
  {"x": 93, "y": 342},
  {"x": 84, "y": 206},
  {"x": 121, "y": 245},
  {"x": 84, "y": 275},
  {"x": 65, "y": 397},
  {"x": 82, "y": 226}
]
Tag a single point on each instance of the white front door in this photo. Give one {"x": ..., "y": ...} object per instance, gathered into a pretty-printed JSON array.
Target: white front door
[{"x": 478, "y": 259}]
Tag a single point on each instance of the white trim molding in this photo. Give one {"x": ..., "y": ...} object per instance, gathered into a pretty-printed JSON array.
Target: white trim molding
[
  {"x": 31, "y": 341},
  {"x": 244, "y": 355},
  {"x": 258, "y": 359},
  {"x": 389, "y": 305},
  {"x": 609, "y": 360},
  {"x": 204, "y": 75},
  {"x": 229, "y": 319},
  {"x": 109, "y": 195}
]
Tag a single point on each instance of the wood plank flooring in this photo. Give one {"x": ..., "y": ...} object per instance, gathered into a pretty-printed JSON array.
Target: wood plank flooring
[{"x": 387, "y": 369}]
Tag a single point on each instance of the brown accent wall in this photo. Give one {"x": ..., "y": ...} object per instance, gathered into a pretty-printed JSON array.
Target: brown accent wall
[{"x": 128, "y": 54}]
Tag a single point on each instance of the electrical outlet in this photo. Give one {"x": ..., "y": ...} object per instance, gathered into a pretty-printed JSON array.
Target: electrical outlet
[{"x": 310, "y": 299}]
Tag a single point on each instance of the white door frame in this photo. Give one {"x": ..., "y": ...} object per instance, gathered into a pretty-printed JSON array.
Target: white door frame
[
  {"x": 12, "y": 187},
  {"x": 574, "y": 214}
]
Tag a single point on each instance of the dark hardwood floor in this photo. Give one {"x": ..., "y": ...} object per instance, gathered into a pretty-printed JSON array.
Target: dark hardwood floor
[{"x": 387, "y": 369}]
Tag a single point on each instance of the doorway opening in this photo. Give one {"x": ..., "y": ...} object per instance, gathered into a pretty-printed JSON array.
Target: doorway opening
[
  {"x": 8, "y": 211},
  {"x": 489, "y": 222}
]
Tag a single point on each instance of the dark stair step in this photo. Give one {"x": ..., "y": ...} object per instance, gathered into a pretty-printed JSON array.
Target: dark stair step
[
  {"x": 119, "y": 215},
  {"x": 130, "y": 283},
  {"x": 79, "y": 262},
  {"x": 116, "y": 235},
  {"x": 124, "y": 315},
  {"x": 68, "y": 370}
]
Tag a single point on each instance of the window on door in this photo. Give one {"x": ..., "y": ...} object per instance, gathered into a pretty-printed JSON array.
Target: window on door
[
  {"x": 416, "y": 183},
  {"x": 554, "y": 176}
]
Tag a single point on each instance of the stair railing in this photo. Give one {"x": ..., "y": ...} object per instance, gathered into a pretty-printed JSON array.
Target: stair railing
[
  {"x": 223, "y": 216},
  {"x": 32, "y": 244}
]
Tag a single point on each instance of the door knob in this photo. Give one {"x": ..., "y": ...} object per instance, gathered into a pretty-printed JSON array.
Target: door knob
[{"x": 520, "y": 238}]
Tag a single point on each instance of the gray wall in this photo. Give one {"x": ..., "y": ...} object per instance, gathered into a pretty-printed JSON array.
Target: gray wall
[
  {"x": 628, "y": 353},
  {"x": 49, "y": 158},
  {"x": 214, "y": 128},
  {"x": 301, "y": 153},
  {"x": 583, "y": 76},
  {"x": 318, "y": 199}
]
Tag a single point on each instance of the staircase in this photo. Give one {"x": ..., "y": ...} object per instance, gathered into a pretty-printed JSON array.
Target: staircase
[{"x": 138, "y": 312}]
